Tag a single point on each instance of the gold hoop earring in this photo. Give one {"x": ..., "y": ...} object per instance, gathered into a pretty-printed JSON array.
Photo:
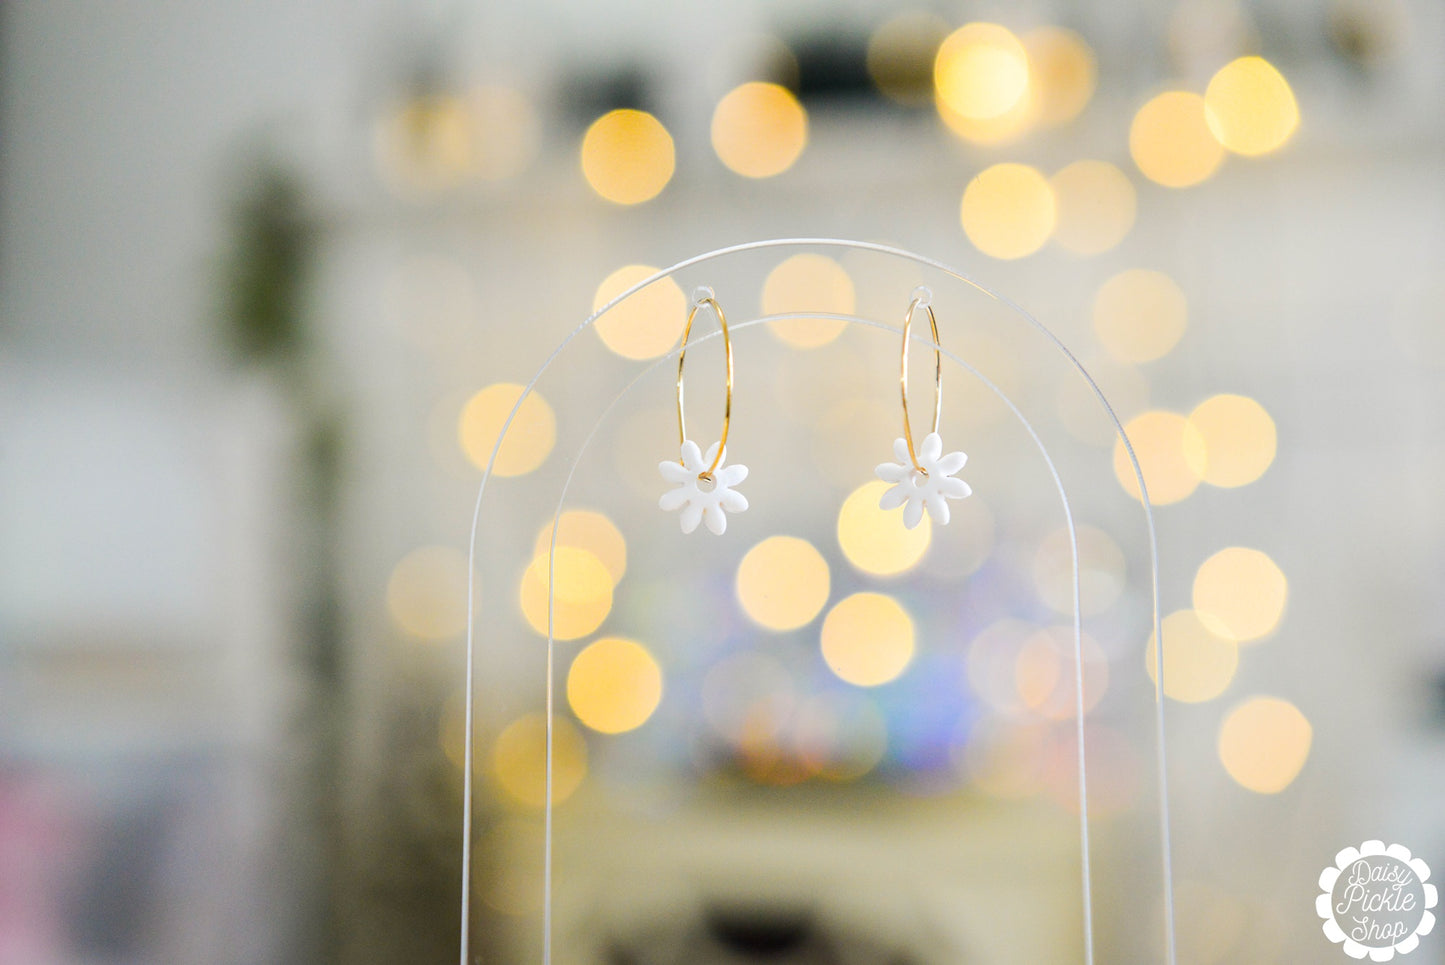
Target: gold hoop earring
[
  {"x": 922, "y": 478},
  {"x": 703, "y": 485}
]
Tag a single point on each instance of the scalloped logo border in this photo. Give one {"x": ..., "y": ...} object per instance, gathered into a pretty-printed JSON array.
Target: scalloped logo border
[{"x": 1325, "y": 908}]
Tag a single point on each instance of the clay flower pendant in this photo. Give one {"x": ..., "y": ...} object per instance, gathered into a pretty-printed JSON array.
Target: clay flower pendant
[
  {"x": 702, "y": 496},
  {"x": 930, "y": 486}
]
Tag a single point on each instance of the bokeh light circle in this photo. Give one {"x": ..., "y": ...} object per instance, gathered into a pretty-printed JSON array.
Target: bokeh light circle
[
  {"x": 759, "y": 130},
  {"x": 1161, "y": 440},
  {"x": 1096, "y": 206},
  {"x": 614, "y": 685},
  {"x": 1140, "y": 315},
  {"x": 1198, "y": 663},
  {"x": 1063, "y": 73},
  {"x": 1237, "y": 440},
  {"x": 591, "y": 531},
  {"x": 867, "y": 639},
  {"x": 627, "y": 156},
  {"x": 1264, "y": 743},
  {"x": 1250, "y": 108},
  {"x": 808, "y": 282},
  {"x": 875, "y": 540},
  {"x": 1171, "y": 142},
  {"x": 783, "y": 583},
  {"x": 583, "y": 598},
  {"x": 519, "y": 759},
  {"x": 649, "y": 322},
  {"x": 1008, "y": 210},
  {"x": 1240, "y": 593},
  {"x": 529, "y": 439},
  {"x": 981, "y": 71}
]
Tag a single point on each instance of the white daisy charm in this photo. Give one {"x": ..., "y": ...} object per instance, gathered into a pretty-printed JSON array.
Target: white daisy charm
[
  {"x": 701, "y": 495},
  {"x": 930, "y": 486}
]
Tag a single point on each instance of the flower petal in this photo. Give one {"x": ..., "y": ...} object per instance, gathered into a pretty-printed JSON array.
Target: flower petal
[
  {"x": 691, "y": 516},
  {"x": 674, "y": 499},
  {"x": 716, "y": 519},
  {"x": 938, "y": 509},
  {"x": 954, "y": 488},
  {"x": 675, "y": 472},
  {"x": 711, "y": 454},
  {"x": 932, "y": 448},
  {"x": 913, "y": 513},
  {"x": 891, "y": 472},
  {"x": 896, "y": 496},
  {"x": 952, "y": 463},
  {"x": 733, "y": 501},
  {"x": 900, "y": 452},
  {"x": 730, "y": 476},
  {"x": 692, "y": 457}
]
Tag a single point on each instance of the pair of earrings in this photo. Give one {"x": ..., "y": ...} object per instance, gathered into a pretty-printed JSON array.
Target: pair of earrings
[{"x": 705, "y": 488}]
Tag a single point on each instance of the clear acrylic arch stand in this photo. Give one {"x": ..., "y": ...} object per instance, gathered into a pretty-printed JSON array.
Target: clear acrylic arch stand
[{"x": 1036, "y": 738}]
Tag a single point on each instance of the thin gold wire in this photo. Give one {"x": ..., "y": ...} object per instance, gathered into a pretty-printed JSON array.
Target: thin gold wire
[
  {"x": 728, "y": 401},
  {"x": 913, "y": 307}
]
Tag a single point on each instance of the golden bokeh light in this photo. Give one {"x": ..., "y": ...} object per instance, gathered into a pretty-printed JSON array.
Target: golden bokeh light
[
  {"x": 1264, "y": 743},
  {"x": 759, "y": 130},
  {"x": 583, "y": 598},
  {"x": 1198, "y": 663},
  {"x": 1171, "y": 142},
  {"x": 529, "y": 439},
  {"x": 627, "y": 156},
  {"x": 1160, "y": 440},
  {"x": 614, "y": 685},
  {"x": 1063, "y": 73},
  {"x": 1236, "y": 438},
  {"x": 808, "y": 283},
  {"x": 783, "y": 582},
  {"x": 588, "y": 530},
  {"x": 1096, "y": 206},
  {"x": 1008, "y": 210},
  {"x": 1101, "y": 571},
  {"x": 1140, "y": 315},
  {"x": 1250, "y": 108},
  {"x": 875, "y": 540},
  {"x": 1240, "y": 593},
  {"x": 507, "y": 132},
  {"x": 649, "y": 322},
  {"x": 901, "y": 53},
  {"x": 427, "y": 593},
  {"x": 867, "y": 639},
  {"x": 519, "y": 759},
  {"x": 981, "y": 71}
]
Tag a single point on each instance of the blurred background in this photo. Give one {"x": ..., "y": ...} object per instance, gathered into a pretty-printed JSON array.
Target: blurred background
[{"x": 272, "y": 275}]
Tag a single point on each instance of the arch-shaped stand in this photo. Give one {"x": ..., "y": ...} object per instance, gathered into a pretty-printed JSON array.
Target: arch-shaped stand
[{"x": 1041, "y": 624}]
